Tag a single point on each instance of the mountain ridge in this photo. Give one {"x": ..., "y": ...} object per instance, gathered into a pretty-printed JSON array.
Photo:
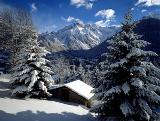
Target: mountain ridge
[
  {"x": 150, "y": 33},
  {"x": 77, "y": 36}
]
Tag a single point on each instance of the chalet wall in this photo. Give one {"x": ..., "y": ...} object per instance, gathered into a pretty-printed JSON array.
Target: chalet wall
[
  {"x": 74, "y": 97},
  {"x": 66, "y": 94}
]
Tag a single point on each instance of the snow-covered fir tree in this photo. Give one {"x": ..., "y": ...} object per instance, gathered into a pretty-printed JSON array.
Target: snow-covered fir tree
[
  {"x": 130, "y": 88},
  {"x": 31, "y": 76},
  {"x": 99, "y": 70},
  {"x": 96, "y": 76}
]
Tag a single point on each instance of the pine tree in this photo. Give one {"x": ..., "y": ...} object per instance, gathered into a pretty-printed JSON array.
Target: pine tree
[
  {"x": 31, "y": 77},
  {"x": 99, "y": 70},
  {"x": 130, "y": 88}
]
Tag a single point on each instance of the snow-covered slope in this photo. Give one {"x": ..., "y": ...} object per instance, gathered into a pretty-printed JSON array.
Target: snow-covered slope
[
  {"x": 12, "y": 109},
  {"x": 81, "y": 36}
]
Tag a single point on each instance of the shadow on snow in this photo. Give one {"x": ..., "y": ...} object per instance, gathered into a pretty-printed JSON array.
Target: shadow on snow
[{"x": 42, "y": 116}]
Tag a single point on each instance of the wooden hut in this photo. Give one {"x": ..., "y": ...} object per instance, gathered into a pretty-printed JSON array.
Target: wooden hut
[{"x": 76, "y": 91}]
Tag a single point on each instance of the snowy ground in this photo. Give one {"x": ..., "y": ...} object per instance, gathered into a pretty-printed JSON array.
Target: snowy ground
[{"x": 12, "y": 109}]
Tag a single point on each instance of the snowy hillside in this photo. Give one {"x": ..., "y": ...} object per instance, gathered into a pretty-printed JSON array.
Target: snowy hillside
[
  {"x": 79, "y": 36},
  {"x": 12, "y": 109}
]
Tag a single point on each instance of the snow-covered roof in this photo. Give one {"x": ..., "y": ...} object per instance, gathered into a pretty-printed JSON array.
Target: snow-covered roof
[
  {"x": 81, "y": 88},
  {"x": 78, "y": 87}
]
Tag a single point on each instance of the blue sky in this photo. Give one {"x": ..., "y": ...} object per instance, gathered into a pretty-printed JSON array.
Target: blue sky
[{"x": 51, "y": 15}]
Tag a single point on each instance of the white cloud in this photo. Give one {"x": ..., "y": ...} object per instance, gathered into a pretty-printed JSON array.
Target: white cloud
[
  {"x": 148, "y": 3},
  {"x": 103, "y": 23},
  {"x": 144, "y": 10},
  {"x": 88, "y": 4},
  {"x": 33, "y": 7},
  {"x": 109, "y": 13},
  {"x": 108, "y": 16},
  {"x": 72, "y": 19}
]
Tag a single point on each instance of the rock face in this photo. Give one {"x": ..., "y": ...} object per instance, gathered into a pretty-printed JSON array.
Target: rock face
[
  {"x": 77, "y": 36},
  {"x": 50, "y": 41}
]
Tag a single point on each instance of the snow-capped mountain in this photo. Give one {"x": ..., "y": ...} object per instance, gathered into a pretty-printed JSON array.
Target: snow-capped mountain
[
  {"x": 78, "y": 36},
  {"x": 148, "y": 28},
  {"x": 51, "y": 42}
]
